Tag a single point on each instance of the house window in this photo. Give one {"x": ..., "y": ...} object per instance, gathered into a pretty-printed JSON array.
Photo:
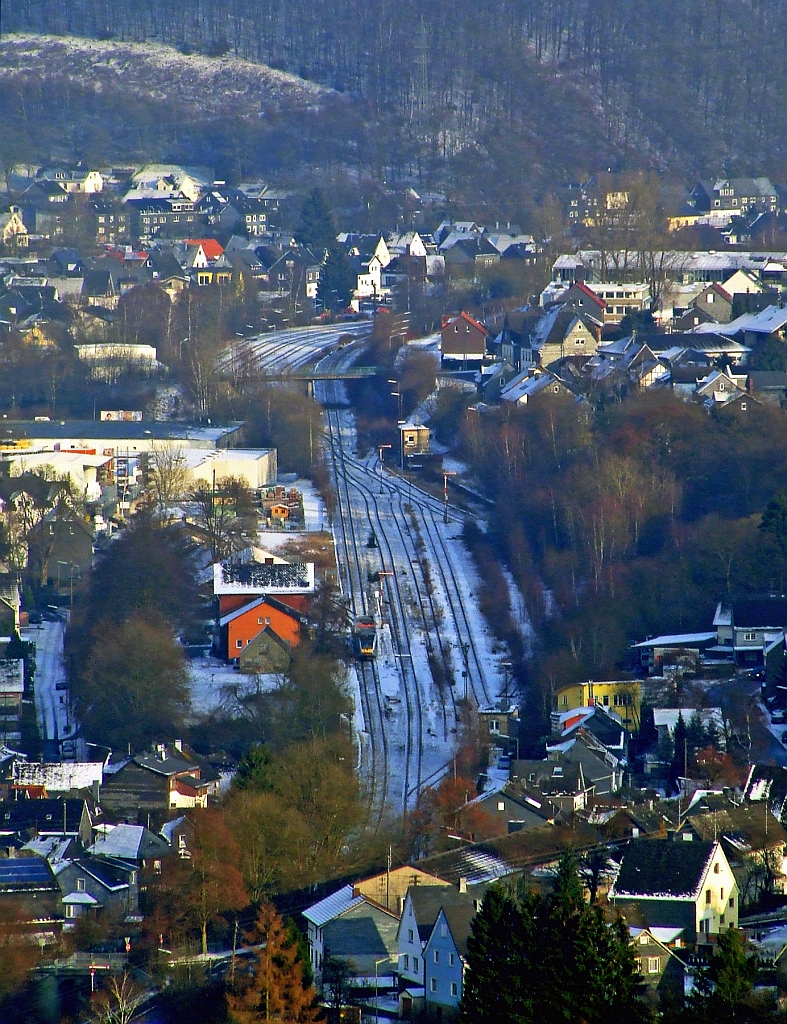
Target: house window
[
  {"x": 564, "y": 701},
  {"x": 654, "y": 963},
  {"x": 501, "y": 806},
  {"x": 721, "y": 919},
  {"x": 239, "y": 644},
  {"x": 638, "y": 964},
  {"x": 415, "y": 964},
  {"x": 437, "y": 956},
  {"x": 406, "y": 962},
  {"x": 716, "y": 869},
  {"x": 494, "y": 725},
  {"x": 454, "y": 989},
  {"x": 732, "y": 902},
  {"x": 410, "y": 935},
  {"x": 707, "y": 897},
  {"x": 721, "y": 895},
  {"x": 80, "y": 885},
  {"x": 433, "y": 984},
  {"x": 443, "y": 931},
  {"x": 743, "y": 406},
  {"x": 605, "y": 700},
  {"x": 69, "y": 910},
  {"x": 750, "y": 636},
  {"x": 181, "y": 842},
  {"x": 451, "y": 959}
]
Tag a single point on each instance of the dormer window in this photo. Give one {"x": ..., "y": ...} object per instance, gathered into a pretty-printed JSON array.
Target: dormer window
[{"x": 80, "y": 885}]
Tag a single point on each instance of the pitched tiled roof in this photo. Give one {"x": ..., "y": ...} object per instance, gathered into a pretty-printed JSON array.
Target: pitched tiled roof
[{"x": 663, "y": 868}]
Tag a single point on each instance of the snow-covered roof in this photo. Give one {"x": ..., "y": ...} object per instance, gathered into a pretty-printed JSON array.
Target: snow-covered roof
[
  {"x": 59, "y": 777},
  {"x": 168, "y": 828},
  {"x": 665, "y": 935},
  {"x": 668, "y": 717},
  {"x": 256, "y": 578},
  {"x": 121, "y": 841},
  {"x": 332, "y": 906},
  {"x": 676, "y": 639},
  {"x": 82, "y": 898},
  {"x": 768, "y": 320}
]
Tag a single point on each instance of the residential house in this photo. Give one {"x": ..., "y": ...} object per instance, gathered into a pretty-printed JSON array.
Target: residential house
[
  {"x": 672, "y": 648},
  {"x": 691, "y": 319},
  {"x": 620, "y": 299},
  {"x": 767, "y": 386},
  {"x": 244, "y": 627},
  {"x": 110, "y": 222},
  {"x": 354, "y": 928},
  {"x": 501, "y": 722},
  {"x": 13, "y": 230},
  {"x": 534, "y": 385},
  {"x": 715, "y": 301},
  {"x": 678, "y": 882},
  {"x": 661, "y": 958},
  {"x": 12, "y": 688},
  {"x": 513, "y": 809},
  {"x": 665, "y": 721},
  {"x": 389, "y": 888},
  {"x": 236, "y": 584},
  {"x": 468, "y": 257},
  {"x": 445, "y": 957},
  {"x": 735, "y": 195},
  {"x": 179, "y": 834},
  {"x": 584, "y": 300},
  {"x": 29, "y": 888},
  {"x": 47, "y": 817},
  {"x": 767, "y": 785},
  {"x": 155, "y": 783},
  {"x": 525, "y": 850},
  {"x": 750, "y": 628},
  {"x": 296, "y": 275},
  {"x": 56, "y": 778},
  {"x": 561, "y": 333},
  {"x": 598, "y": 742},
  {"x": 133, "y": 843},
  {"x": 463, "y": 339},
  {"x": 623, "y": 696},
  {"x": 97, "y": 886},
  {"x": 753, "y": 840}
]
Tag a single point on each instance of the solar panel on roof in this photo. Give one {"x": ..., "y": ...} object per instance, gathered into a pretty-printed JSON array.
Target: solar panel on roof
[{"x": 28, "y": 869}]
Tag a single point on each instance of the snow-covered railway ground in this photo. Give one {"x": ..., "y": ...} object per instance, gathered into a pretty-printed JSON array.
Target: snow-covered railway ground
[
  {"x": 430, "y": 615},
  {"x": 284, "y": 351}
]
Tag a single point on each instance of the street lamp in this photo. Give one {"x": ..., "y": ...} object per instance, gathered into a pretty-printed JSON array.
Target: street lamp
[
  {"x": 380, "y": 449},
  {"x": 382, "y": 960}
]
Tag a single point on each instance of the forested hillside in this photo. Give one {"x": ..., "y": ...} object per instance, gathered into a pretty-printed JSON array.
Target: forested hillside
[{"x": 508, "y": 92}]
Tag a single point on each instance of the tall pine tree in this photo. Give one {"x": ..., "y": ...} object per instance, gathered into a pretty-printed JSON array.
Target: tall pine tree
[
  {"x": 337, "y": 280},
  {"x": 277, "y": 989},
  {"x": 317, "y": 228}
]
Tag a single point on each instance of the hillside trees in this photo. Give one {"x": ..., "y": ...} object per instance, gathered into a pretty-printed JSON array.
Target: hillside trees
[{"x": 637, "y": 517}]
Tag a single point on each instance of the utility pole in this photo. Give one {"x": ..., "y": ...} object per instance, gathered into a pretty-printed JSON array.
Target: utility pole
[
  {"x": 465, "y": 649},
  {"x": 505, "y": 695},
  {"x": 381, "y": 448},
  {"x": 446, "y": 474}
]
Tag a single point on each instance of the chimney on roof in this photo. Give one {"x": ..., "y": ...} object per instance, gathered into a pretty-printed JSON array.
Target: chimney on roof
[
  {"x": 161, "y": 750},
  {"x": 178, "y": 744},
  {"x": 462, "y": 884}
]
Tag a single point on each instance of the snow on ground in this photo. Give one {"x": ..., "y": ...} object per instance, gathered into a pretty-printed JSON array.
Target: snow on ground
[
  {"x": 452, "y": 465},
  {"x": 53, "y": 712},
  {"x": 215, "y": 684},
  {"x": 519, "y": 611}
]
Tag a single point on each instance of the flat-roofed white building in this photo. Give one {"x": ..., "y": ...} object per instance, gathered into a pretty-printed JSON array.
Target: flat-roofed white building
[{"x": 257, "y": 466}]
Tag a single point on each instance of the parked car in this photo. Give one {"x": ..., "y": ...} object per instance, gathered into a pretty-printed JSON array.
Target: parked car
[{"x": 778, "y": 717}]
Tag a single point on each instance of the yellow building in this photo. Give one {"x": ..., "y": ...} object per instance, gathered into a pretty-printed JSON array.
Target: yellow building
[{"x": 623, "y": 696}]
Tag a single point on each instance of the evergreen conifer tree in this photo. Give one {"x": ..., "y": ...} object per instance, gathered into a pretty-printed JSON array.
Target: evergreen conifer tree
[
  {"x": 276, "y": 991},
  {"x": 337, "y": 280},
  {"x": 317, "y": 228}
]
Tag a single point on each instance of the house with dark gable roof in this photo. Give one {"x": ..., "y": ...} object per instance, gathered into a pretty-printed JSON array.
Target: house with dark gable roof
[{"x": 678, "y": 882}]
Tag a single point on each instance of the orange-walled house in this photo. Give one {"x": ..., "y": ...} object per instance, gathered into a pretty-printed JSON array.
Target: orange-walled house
[{"x": 241, "y": 625}]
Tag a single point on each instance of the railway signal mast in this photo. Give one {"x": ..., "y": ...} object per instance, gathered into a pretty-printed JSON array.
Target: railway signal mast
[
  {"x": 446, "y": 474},
  {"x": 381, "y": 449}
]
